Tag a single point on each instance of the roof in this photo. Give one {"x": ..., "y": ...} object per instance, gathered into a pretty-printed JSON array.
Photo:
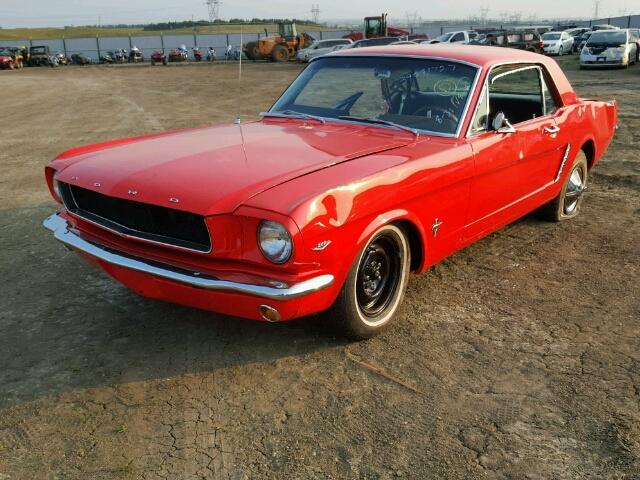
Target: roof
[{"x": 483, "y": 56}]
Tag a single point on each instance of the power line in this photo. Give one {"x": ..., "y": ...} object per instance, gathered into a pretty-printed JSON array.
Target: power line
[
  {"x": 214, "y": 9},
  {"x": 315, "y": 13}
]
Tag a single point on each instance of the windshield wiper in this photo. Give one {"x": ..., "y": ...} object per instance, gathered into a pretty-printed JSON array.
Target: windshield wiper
[
  {"x": 293, "y": 114},
  {"x": 380, "y": 121}
]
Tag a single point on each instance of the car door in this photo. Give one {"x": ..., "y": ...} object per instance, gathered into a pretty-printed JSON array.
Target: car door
[
  {"x": 459, "y": 37},
  {"x": 568, "y": 42},
  {"x": 511, "y": 167}
]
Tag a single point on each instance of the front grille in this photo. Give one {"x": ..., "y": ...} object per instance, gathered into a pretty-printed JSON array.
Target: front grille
[
  {"x": 141, "y": 220},
  {"x": 597, "y": 50}
]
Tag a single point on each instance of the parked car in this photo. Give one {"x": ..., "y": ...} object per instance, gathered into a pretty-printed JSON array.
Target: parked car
[
  {"x": 557, "y": 43},
  {"x": 79, "y": 59},
  {"x": 158, "y": 57},
  {"x": 40, "y": 55},
  {"x": 595, "y": 28},
  {"x": 609, "y": 48},
  {"x": 580, "y": 41},
  {"x": 374, "y": 42},
  {"x": 462, "y": 36},
  {"x": 342, "y": 188},
  {"x": 518, "y": 39},
  {"x": 322, "y": 47},
  {"x": 10, "y": 58},
  {"x": 635, "y": 35},
  {"x": 577, "y": 31},
  {"x": 108, "y": 57}
]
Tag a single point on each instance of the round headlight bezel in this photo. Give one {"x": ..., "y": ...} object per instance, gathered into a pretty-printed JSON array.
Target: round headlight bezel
[
  {"x": 278, "y": 233},
  {"x": 56, "y": 188}
]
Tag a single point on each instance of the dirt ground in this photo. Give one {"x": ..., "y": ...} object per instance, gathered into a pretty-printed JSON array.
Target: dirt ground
[{"x": 517, "y": 358}]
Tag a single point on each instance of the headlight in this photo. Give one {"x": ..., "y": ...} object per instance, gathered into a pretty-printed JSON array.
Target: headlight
[
  {"x": 274, "y": 241},
  {"x": 57, "y": 189}
]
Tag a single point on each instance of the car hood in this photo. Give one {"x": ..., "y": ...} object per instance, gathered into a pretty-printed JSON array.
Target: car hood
[{"x": 215, "y": 169}]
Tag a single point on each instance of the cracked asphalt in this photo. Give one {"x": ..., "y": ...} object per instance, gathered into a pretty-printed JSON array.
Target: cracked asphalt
[{"x": 517, "y": 358}]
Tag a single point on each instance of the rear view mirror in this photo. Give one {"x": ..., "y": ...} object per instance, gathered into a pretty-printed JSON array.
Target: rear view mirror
[{"x": 501, "y": 124}]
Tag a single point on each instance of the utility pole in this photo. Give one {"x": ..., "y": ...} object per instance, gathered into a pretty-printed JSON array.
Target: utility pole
[
  {"x": 315, "y": 13},
  {"x": 214, "y": 9},
  {"x": 484, "y": 13},
  {"x": 596, "y": 9}
]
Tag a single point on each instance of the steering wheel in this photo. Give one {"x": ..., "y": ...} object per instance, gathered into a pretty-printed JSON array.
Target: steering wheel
[{"x": 446, "y": 114}]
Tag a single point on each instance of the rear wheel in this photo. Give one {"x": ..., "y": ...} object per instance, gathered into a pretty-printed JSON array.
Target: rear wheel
[
  {"x": 567, "y": 204},
  {"x": 251, "y": 48},
  {"x": 280, "y": 53},
  {"x": 375, "y": 286}
]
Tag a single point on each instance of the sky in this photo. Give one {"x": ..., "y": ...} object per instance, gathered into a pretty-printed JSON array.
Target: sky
[{"x": 45, "y": 13}]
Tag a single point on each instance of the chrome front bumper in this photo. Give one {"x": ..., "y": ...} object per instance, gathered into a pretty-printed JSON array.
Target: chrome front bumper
[{"x": 61, "y": 231}]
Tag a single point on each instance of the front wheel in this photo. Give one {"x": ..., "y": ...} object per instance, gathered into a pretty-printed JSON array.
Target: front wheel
[
  {"x": 567, "y": 204},
  {"x": 560, "y": 52},
  {"x": 375, "y": 286},
  {"x": 280, "y": 53}
]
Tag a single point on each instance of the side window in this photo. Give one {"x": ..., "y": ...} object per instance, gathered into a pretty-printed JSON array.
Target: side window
[
  {"x": 517, "y": 93},
  {"x": 480, "y": 121},
  {"x": 458, "y": 37}
]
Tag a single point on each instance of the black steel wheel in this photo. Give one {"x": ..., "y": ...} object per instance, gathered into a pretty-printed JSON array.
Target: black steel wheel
[
  {"x": 375, "y": 286},
  {"x": 378, "y": 276}
]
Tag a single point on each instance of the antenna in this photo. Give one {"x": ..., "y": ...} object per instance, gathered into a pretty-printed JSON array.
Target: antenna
[
  {"x": 237, "y": 121},
  {"x": 315, "y": 13},
  {"x": 214, "y": 9}
]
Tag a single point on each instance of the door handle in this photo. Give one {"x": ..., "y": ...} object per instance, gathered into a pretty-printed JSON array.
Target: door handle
[{"x": 552, "y": 130}]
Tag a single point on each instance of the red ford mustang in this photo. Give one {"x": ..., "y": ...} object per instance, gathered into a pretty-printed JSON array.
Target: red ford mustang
[{"x": 374, "y": 163}]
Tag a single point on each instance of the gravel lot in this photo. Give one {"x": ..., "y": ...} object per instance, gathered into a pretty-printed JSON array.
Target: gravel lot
[{"x": 518, "y": 357}]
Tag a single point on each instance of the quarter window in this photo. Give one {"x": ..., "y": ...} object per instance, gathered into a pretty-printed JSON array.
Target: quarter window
[{"x": 550, "y": 105}]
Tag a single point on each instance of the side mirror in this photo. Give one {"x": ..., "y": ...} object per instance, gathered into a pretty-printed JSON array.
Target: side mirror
[{"x": 502, "y": 125}]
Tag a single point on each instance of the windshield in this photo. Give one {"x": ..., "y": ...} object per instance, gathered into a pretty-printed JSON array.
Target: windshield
[
  {"x": 421, "y": 94},
  {"x": 445, "y": 37},
  {"x": 608, "y": 38},
  {"x": 551, "y": 36},
  {"x": 37, "y": 50}
]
